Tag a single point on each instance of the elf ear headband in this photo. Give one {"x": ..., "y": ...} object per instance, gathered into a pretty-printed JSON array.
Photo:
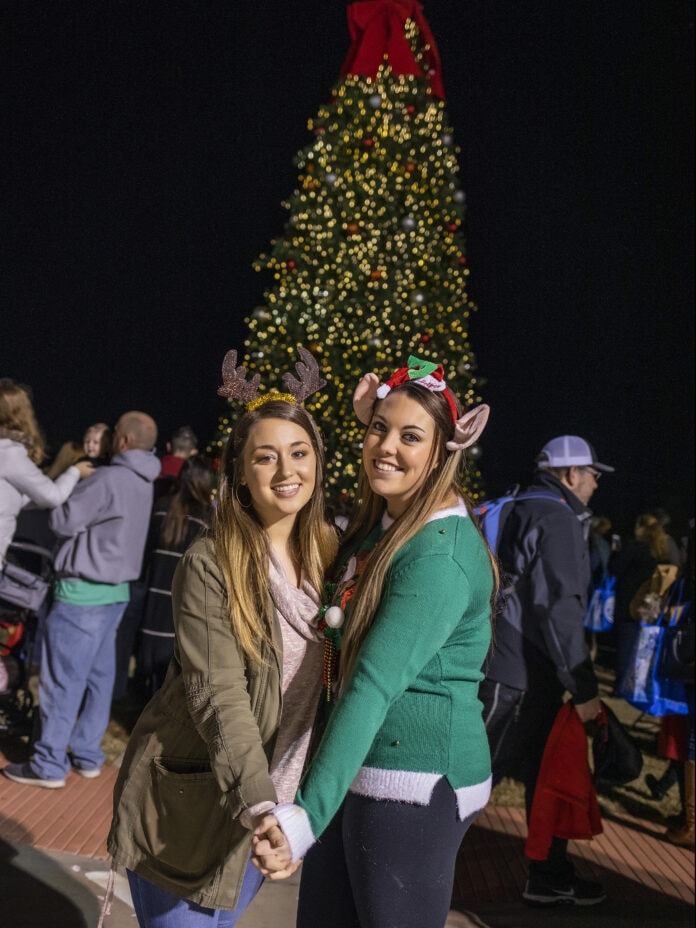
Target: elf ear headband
[
  {"x": 467, "y": 428},
  {"x": 236, "y": 386}
]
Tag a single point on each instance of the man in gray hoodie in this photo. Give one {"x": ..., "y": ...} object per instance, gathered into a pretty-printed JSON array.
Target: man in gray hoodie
[{"x": 103, "y": 527}]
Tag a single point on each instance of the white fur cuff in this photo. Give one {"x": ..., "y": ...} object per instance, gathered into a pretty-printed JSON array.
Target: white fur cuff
[{"x": 295, "y": 824}]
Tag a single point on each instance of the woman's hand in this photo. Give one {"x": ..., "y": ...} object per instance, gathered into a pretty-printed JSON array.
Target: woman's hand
[
  {"x": 271, "y": 853},
  {"x": 85, "y": 468}
]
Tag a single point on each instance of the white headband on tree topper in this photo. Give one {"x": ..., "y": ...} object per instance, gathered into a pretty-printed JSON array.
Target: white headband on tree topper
[{"x": 429, "y": 376}]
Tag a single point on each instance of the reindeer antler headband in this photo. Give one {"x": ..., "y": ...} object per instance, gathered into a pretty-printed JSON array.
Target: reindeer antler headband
[
  {"x": 429, "y": 376},
  {"x": 236, "y": 386}
]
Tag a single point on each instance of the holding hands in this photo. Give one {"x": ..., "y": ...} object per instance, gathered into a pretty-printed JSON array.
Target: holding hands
[{"x": 271, "y": 853}]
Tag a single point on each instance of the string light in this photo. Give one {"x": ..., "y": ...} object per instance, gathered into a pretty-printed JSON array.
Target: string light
[{"x": 372, "y": 265}]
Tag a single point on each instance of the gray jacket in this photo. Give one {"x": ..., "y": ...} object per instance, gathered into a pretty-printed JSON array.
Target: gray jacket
[{"x": 105, "y": 520}]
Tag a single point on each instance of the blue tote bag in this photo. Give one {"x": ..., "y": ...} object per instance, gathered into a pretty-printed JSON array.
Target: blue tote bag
[
  {"x": 643, "y": 685},
  {"x": 600, "y": 609}
]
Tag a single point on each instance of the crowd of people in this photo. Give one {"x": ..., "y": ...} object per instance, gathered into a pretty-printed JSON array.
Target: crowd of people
[{"x": 344, "y": 693}]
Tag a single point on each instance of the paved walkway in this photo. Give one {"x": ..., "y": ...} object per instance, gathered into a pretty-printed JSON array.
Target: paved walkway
[{"x": 54, "y": 867}]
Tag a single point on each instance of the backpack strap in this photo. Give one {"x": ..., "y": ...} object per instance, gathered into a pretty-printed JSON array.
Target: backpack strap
[{"x": 493, "y": 514}]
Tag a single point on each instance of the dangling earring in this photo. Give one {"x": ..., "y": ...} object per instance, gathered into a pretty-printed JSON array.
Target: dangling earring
[{"x": 236, "y": 496}]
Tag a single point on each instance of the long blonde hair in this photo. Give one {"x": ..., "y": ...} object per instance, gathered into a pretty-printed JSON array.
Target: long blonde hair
[
  {"x": 442, "y": 481},
  {"x": 17, "y": 418},
  {"x": 241, "y": 544}
]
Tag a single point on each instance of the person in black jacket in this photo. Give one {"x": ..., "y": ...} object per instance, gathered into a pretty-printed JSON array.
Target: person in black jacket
[
  {"x": 539, "y": 651},
  {"x": 177, "y": 520}
]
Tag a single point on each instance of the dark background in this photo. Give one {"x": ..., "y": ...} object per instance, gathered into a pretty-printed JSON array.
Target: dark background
[{"x": 150, "y": 146}]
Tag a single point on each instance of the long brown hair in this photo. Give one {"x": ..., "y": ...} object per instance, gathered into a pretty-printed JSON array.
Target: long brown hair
[
  {"x": 241, "y": 543},
  {"x": 442, "y": 481},
  {"x": 191, "y": 497},
  {"x": 17, "y": 416}
]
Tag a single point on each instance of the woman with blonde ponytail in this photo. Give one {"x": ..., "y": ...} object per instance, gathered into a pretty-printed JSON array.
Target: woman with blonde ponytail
[
  {"x": 226, "y": 735},
  {"x": 403, "y": 766}
]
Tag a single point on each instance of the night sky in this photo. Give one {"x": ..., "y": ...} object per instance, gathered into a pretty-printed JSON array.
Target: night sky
[{"x": 150, "y": 146}]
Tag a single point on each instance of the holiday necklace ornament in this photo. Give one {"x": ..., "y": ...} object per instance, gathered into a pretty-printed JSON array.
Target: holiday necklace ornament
[
  {"x": 331, "y": 619},
  {"x": 236, "y": 386},
  {"x": 430, "y": 376}
]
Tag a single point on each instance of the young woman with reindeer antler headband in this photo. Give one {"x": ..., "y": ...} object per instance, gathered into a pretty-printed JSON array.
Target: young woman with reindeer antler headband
[
  {"x": 403, "y": 766},
  {"x": 210, "y": 752}
]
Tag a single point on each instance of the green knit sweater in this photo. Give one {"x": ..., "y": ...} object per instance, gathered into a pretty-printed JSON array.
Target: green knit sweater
[{"x": 410, "y": 705}]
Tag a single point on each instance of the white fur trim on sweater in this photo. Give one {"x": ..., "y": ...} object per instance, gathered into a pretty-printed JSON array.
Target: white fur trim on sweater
[
  {"x": 294, "y": 822},
  {"x": 417, "y": 788}
]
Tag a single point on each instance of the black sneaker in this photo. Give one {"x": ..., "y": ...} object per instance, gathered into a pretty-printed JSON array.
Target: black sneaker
[
  {"x": 540, "y": 892},
  {"x": 22, "y": 773}
]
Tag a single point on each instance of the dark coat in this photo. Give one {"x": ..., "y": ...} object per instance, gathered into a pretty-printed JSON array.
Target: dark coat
[{"x": 539, "y": 638}]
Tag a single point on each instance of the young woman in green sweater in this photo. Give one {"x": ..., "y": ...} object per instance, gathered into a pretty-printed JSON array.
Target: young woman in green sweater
[{"x": 403, "y": 767}]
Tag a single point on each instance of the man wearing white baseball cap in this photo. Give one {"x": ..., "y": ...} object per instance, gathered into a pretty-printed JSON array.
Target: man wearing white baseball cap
[{"x": 540, "y": 652}]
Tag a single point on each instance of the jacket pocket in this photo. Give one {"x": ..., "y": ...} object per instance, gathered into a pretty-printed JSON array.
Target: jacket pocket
[{"x": 187, "y": 827}]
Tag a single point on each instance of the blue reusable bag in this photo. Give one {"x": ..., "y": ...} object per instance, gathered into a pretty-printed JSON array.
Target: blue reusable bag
[
  {"x": 600, "y": 610},
  {"x": 643, "y": 685}
]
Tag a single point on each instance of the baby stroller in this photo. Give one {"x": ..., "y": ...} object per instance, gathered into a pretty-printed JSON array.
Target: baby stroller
[{"x": 24, "y": 592}]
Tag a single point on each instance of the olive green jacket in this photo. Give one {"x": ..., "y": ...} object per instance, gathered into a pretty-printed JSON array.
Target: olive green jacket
[{"x": 199, "y": 753}]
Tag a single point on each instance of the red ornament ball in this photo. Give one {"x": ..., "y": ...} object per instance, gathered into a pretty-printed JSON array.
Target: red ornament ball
[
  {"x": 425, "y": 338},
  {"x": 368, "y": 143},
  {"x": 291, "y": 265},
  {"x": 410, "y": 109},
  {"x": 462, "y": 259},
  {"x": 452, "y": 226},
  {"x": 352, "y": 228}
]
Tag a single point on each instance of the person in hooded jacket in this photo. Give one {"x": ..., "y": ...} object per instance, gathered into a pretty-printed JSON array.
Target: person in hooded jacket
[
  {"x": 102, "y": 527},
  {"x": 540, "y": 650}
]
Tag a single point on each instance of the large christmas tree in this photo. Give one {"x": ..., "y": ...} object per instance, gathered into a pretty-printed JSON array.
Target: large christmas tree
[{"x": 371, "y": 266}]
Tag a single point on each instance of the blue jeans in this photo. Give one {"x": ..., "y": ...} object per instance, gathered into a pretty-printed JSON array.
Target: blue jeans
[
  {"x": 76, "y": 681},
  {"x": 157, "y": 908}
]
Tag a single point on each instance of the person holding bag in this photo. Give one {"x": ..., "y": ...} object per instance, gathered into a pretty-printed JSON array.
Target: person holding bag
[
  {"x": 403, "y": 767},
  {"x": 21, "y": 451},
  {"x": 647, "y": 555}
]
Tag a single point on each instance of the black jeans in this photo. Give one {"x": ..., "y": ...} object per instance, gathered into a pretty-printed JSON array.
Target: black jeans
[
  {"x": 383, "y": 864},
  {"x": 518, "y": 724}
]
